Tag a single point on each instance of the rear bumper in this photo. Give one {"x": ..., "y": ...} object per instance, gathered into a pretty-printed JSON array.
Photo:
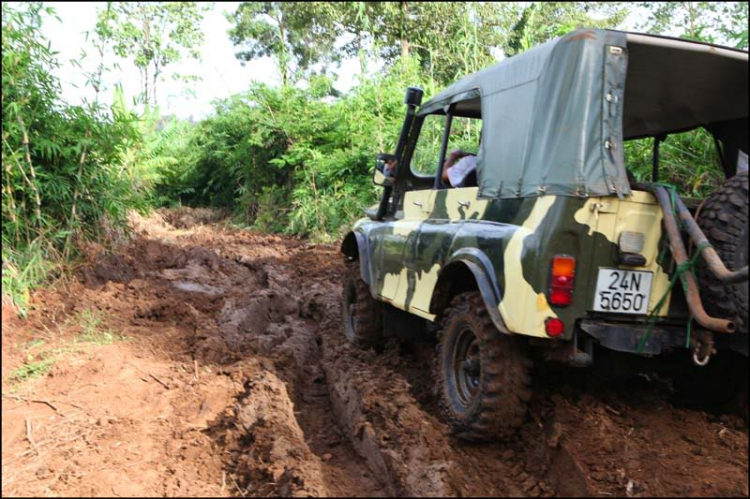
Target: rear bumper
[{"x": 623, "y": 337}]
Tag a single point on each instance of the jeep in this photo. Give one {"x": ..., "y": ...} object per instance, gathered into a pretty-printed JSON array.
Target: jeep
[{"x": 556, "y": 252}]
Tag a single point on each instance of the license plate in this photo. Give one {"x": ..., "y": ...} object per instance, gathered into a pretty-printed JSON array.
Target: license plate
[{"x": 623, "y": 291}]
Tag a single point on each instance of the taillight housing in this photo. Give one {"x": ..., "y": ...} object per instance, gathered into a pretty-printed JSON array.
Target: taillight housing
[{"x": 561, "y": 279}]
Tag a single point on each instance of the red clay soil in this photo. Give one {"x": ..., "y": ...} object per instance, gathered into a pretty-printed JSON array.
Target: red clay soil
[{"x": 217, "y": 366}]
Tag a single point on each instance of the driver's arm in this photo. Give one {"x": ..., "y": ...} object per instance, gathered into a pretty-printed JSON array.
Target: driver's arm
[{"x": 453, "y": 157}]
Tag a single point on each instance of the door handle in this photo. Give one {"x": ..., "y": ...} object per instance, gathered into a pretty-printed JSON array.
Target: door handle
[
  {"x": 417, "y": 203},
  {"x": 464, "y": 204}
]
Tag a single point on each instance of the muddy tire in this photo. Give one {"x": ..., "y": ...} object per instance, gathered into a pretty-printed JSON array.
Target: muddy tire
[
  {"x": 360, "y": 311},
  {"x": 723, "y": 219},
  {"x": 483, "y": 374}
]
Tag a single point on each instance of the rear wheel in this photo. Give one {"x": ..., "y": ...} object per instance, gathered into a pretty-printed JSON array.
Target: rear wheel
[
  {"x": 723, "y": 219},
  {"x": 361, "y": 312},
  {"x": 483, "y": 373}
]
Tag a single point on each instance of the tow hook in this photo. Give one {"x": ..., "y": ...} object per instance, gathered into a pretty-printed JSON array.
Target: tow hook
[{"x": 703, "y": 348}]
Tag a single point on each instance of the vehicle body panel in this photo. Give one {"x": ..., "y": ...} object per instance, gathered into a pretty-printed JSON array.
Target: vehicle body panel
[
  {"x": 518, "y": 238},
  {"x": 551, "y": 181}
]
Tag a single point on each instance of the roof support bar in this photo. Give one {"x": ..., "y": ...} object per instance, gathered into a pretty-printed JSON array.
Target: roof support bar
[
  {"x": 658, "y": 139},
  {"x": 443, "y": 147}
]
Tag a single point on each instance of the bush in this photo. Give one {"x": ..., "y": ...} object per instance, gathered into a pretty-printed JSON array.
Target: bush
[
  {"x": 63, "y": 177},
  {"x": 291, "y": 160},
  {"x": 687, "y": 160}
]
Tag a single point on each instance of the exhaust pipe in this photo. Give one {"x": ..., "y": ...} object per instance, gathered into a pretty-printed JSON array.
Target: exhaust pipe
[
  {"x": 412, "y": 99},
  {"x": 680, "y": 255}
]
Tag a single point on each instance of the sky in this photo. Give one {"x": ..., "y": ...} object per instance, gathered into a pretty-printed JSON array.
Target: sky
[{"x": 222, "y": 74}]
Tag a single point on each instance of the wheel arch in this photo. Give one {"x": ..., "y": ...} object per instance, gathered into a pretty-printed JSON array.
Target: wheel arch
[
  {"x": 355, "y": 248},
  {"x": 468, "y": 269}
]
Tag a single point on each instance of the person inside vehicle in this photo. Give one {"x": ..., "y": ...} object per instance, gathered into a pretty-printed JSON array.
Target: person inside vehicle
[{"x": 460, "y": 169}]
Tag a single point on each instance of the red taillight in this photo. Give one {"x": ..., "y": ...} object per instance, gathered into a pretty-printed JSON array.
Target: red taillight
[
  {"x": 562, "y": 276},
  {"x": 559, "y": 297},
  {"x": 554, "y": 327}
]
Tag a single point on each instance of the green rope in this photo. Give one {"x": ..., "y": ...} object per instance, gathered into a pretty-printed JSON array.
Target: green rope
[
  {"x": 686, "y": 266},
  {"x": 672, "y": 189},
  {"x": 653, "y": 316}
]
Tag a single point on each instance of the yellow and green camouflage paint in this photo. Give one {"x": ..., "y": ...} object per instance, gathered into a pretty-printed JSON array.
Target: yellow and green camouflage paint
[{"x": 403, "y": 258}]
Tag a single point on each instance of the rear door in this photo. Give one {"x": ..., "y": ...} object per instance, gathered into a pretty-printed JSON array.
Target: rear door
[{"x": 632, "y": 225}]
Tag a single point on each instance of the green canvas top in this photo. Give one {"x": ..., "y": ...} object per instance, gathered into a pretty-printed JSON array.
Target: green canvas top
[{"x": 553, "y": 116}]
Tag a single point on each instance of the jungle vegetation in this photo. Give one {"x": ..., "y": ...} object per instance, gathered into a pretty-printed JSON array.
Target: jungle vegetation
[{"x": 293, "y": 158}]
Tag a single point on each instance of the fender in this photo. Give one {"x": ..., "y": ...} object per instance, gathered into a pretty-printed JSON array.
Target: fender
[
  {"x": 363, "y": 253},
  {"x": 483, "y": 270}
]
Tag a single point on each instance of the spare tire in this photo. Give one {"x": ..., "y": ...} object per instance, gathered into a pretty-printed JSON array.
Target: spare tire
[{"x": 723, "y": 219}]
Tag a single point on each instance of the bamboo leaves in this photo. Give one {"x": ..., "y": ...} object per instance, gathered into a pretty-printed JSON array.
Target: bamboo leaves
[{"x": 61, "y": 163}]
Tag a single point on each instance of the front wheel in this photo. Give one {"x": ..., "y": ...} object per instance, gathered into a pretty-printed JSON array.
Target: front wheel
[
  {"x": 361, "y": 312},
  {"x": 484, "y": 374}
]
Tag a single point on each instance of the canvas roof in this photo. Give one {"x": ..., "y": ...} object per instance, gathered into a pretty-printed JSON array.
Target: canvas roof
[{"x": 555, "y": 117}]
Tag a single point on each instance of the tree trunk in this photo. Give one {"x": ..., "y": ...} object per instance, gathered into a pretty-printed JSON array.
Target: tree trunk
[
  {"x": 157, "y": 72},
  {"x": 147, "y": 38},
  {"x": 32, "y": 182},
  {"x": 362, "y": 55},
  {"x": 146, "y": 98},
  {"x": 283, "y": 57},
  {"x": 404, "y": 32}
]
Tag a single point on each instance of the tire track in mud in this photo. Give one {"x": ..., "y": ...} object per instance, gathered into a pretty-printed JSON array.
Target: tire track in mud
[
  {"x": 280, "y": 430},
  {"x": 580, "y": 423},
  {"x": 405, "y": 449},
  {"x": 266, "y": 397},
  {"x": 374, "y": 399},
  {"x": 354, "y": 406}
]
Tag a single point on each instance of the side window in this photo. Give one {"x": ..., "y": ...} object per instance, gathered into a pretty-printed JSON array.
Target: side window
[
  {"x": 465, "y": 133},
  {"x": 463, "y": 147},
  {"x": 424, "y": 160}
]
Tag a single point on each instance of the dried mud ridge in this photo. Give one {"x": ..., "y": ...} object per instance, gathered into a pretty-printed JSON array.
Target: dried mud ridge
[{"x": 236, "y": 379}]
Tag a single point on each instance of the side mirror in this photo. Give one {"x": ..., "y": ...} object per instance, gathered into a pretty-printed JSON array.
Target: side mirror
[{"x": 385, "y": 169}]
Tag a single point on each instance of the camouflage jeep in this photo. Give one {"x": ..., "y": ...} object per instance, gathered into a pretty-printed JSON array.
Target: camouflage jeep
[{"x": 557, "y": 248}]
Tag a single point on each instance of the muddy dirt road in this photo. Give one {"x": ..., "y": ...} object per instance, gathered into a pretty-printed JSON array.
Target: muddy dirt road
[{"x": 204, "y": 360}]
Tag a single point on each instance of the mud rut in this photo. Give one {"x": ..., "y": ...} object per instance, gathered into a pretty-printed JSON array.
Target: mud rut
[{"x": 237, "y": 380}]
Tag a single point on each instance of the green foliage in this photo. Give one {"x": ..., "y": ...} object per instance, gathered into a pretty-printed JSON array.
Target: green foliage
[
  {"x": 713, "y": 22},
  {"x": 542, "y": 21},
  {"x": 688, "y": 160},
  {"x": 297, "y": 34},
  {"x": 32, "y": 369},
  {"x": 154, "y": 35},
  {"x": 448, "y": 38},
  {"x": 299, "y": 160},
  {"x": 92, "y": 331},
  {"x": 293, "y": 160},
  {"x": 41, "y": 357},
  {"x": 27, "y": 268},
  {"x": 63, "y": 178},
  {"x": 425, "y": 160}
]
